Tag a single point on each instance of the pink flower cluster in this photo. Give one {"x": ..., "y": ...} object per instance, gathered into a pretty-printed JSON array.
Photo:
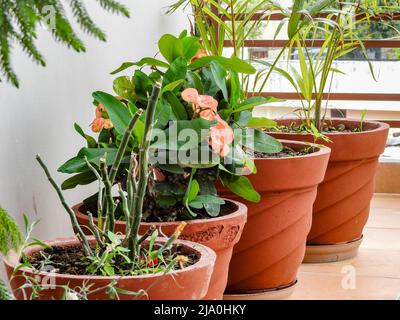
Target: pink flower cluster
[{"x": 221, "y": 134}]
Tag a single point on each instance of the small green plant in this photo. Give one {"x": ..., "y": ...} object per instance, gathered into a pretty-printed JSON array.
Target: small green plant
[{"x": 19, "y": 20}]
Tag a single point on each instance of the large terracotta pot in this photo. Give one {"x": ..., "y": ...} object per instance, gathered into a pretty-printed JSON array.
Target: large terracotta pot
[
  {"x": 342, "y": 206},
  {"x": 273, "y": 241},
  {"x": 219, "y": 234},
  {"x": 190, "y": 283}
]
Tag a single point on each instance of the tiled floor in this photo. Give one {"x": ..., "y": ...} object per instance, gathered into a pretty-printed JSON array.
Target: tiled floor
[{"x": 373, "y": 274}]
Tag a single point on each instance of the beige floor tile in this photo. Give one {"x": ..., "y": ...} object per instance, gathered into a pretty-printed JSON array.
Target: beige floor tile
[
  {"x": 380, "y": 238},
  {"x": 313, "y": 286},
  {"x": 369, "y": 262},
  {"x": 385, "y": 200},
  {"x": 376, "y": 269},
  {"x": 385, "y": 219}
]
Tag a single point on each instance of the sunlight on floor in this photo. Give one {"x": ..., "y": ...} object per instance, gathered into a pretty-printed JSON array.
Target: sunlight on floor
[{"x": 376, "y": 268}]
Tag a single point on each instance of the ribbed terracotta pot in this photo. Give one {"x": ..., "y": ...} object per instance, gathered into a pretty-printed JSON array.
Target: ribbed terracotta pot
[
  {"x": 342, "y": 206},
  {"x": 273, "y": 241},
  {"x": 190, "y": 283},
  {"x": 219, "y": 234}
]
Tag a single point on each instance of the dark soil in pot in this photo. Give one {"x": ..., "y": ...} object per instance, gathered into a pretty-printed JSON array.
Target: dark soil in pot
[
  {"x": 220, "y": 234},
  {"x": 72, "y": 260},
  {"x": 273, "y": 242},
  {"x": 341, "y": 209},
  {"x": 188, "y": 283}
]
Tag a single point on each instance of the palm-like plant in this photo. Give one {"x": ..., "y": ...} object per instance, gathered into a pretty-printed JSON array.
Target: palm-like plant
[
  {"x": 342, "y": 28},
  {"x": 19, "y": 20}
]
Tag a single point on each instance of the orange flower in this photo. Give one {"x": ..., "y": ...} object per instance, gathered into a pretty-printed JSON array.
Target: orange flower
[
  {"x": 190, "y": 95},
  {"x": 97, "y": 124},
  {"x": 221, "y": 136},
  {"x": 200, "y": 54},
  {"x": 99, "y": 111},
  {"x": 203, "y": 106},
  {"x": 107, "y": 124}
]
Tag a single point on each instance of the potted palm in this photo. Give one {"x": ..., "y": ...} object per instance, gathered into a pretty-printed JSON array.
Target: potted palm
[
  {"x": 342, "y": 205},
  {"x": 112, "y": 265}
]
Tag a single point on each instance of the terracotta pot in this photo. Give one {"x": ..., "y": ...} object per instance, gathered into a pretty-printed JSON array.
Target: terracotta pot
[
  {"x": 186, "y": 284},
  {"x": 273, "y": 241},
  {"x": 342, "y": 206},
  {"x": 219, "y": 234}
]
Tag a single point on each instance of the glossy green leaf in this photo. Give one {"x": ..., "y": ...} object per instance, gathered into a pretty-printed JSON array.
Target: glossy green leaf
[
  {"x": 252, "y": 102},
  {"x": 219, "y": 74},
  {"x": 82, "y": 178},
  {"x": 242, "y": 187},
  {"x": 230, "y": 64}
]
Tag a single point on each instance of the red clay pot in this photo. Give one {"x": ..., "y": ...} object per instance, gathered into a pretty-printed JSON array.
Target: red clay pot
[
  {"x": 273, "y": 241},
  {"x": 342, "y": 206},
  {"x": 219, "y": 234},
  {"x": 190, "y": 283}
]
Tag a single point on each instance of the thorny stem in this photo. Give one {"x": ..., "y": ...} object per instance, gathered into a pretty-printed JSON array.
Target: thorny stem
[
  {"x": 143, "y": 170},
  {"x": 71, "y": 214},
  {"x": 109, "y": 203},
  {"x": 100, "y": 195},
  {"x": 123, "y": 145}
]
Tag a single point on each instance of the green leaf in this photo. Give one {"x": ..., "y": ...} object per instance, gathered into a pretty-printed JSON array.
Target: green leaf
[
  {"x": 193, "y": 191},
  {"x": 258, "y": 122},
  {"x": 125, "y": 88},
  {"x": 191, "y": 46},
  {"x": 173, "y": 168},
  {"x": 252, "y": 102},
  {"x": 219, "y": 74},
  {"x": 162, "y": 114},
  {"x": 177, "y": 71},
  {"x": 78, "y": 164},
  {"x": 170, "y": 47},
  {"x": 169, "y": 139},
  {"x": 295, "y": 17},
  {"x": 176, "y": 106},
  {"x": 142, "y": 62},
  {"x": 117, "y": 111},
  {"x": 91, "y": 142},
  {"x": 230, "y": 64},
  {"x": 194, "y": 81},
  {"x": 82, "y": 178},
  {"x": 261, "y": 142},
  {"x": 172, "y": 86},
  {"x": 242, "y": 187}
]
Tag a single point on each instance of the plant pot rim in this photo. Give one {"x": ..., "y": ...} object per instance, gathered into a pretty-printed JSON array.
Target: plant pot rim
[
  {"x": 380, "y": 126},
  {"x": 321, "y": 150},
  {"x": 206, "y": 255},
  {"x": 241, "y": 210}
]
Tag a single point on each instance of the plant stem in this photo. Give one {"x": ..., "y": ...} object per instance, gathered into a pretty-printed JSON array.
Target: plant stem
[
  {"x": 143, "y": 170},
  {"x": 71, "y": 213},
  {"x": 123, "y": 145},
  {"x": 109, "y": 203}
]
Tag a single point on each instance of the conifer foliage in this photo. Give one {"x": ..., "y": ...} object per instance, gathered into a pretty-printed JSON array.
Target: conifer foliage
[{"x": 19, "y": 20}]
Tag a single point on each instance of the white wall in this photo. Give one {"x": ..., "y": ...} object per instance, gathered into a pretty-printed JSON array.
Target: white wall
[{"x": 39, "y": 117}]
